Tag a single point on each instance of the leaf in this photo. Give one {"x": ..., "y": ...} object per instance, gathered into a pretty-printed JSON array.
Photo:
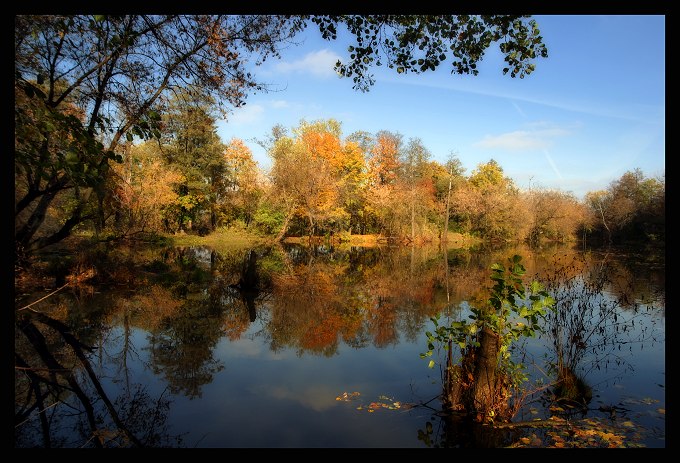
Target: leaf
[{"x": 431, "y": 364}]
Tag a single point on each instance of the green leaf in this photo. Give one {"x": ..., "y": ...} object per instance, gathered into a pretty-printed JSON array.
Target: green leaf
[{"x": 431, "y": 364}]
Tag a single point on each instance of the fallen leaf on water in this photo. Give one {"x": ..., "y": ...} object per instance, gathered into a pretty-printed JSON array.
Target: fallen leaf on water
[{"x": 347, "y": 396}]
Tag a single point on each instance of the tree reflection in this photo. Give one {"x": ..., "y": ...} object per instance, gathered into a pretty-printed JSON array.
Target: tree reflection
[
  {"x": 598, "y": 304},
  {"x": 322, "y": 298},
  {"x": 309, "y": 300},
  {"x": 182, "y": 348},
  {"x": 60, "y": 401},
  {"x": 450, "y": 430}
]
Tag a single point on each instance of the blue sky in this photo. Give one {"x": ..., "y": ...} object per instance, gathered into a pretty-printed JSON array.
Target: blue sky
[{"x": 594, "y": 109}]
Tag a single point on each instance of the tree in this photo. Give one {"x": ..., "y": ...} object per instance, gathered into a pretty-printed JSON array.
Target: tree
[
  {"x": 145, "y": 189},
  {"x": 316, "y": 175},
  {"x": 241, "y": 186},
  {"x": 597, "y": 201},
  {"x": 490, "y": 202},
  {"x": 414, "y": 161},
  {"x": 481, "y": 383},
  {"x": 384, "y": 161},
  {"x": 117, "y": 72},
  {"x": 555, "y": 215},
  {"x": 632, "y": 207},
  {"x": 421, "y": 43},
  {"x": 384, "y": 203},
  {"x": 447, "y": 178},
  {"x": 190, "y": 144},
  {"x": 90, "y": 81}
]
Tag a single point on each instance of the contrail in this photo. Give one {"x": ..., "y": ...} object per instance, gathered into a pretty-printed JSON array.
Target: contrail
[{"x": 552, "y": 164}]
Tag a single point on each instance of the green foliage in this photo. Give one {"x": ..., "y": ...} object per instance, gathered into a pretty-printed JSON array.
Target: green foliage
[
  {"x": 421, "y": 43},
  {"x": 268, "y": 220},
  {"x": 513, "y": 311}
]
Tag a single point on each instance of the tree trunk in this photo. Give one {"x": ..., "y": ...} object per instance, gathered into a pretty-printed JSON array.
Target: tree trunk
[
  {"x": 445, "y": 238},
  {"x": 284, "y": 227},
  {"x": 486, "y": 363}
]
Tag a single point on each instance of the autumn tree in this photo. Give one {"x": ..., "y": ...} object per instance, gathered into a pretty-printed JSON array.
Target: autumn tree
[
  {"x": 303, "y": 182},
  {"x": 413, "y": 178},
  {"x": 318, "y": 175},
  {"x": 145, "y": 189},
  {"x": 489, "y": 203},
  {"x": 241, "y": 186},
  {"x": 598, "y": 203},
  {"x": 446, "y": 179},
  {"x": 118, "y": 73},
  {"x": 384, "y": 161},
  {"x": 632, "y": 207},
  {"x": 555, "y": 215},
  {"x": 384, "y": 202}
]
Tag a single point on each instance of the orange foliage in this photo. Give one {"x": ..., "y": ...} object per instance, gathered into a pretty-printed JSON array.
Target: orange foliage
[
  {"x": 384, "y": 161},
  {"x": 323, "y": 331}
]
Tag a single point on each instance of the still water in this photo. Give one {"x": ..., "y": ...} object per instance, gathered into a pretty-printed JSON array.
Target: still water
[{"x": 326, "y": 353}]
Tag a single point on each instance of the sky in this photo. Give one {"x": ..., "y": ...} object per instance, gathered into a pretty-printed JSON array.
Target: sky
[{"x": 590, "y": 112}]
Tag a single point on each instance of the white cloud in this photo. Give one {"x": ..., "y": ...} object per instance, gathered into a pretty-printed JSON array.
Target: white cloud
[
  {"x": 319, "y": 63},
  {"x": 247, "y": 114},
  {"x": 318, "y": 398},
  {"x": 279, "y": 104},
  {"x": 539, "y": 137}
]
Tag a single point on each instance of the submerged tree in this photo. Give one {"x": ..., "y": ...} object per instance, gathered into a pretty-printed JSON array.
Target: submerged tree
[{"x": 482, "y": 383}]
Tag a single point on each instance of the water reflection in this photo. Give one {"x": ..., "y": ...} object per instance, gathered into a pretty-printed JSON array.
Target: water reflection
[
  {"x": 190, "y": 309},
  {"x": 53, "y": 372},
  {"x": 603, "y": 307}
]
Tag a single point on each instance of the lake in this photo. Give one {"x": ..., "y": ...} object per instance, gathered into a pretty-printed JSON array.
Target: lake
[{"x": 327, "y": 352}]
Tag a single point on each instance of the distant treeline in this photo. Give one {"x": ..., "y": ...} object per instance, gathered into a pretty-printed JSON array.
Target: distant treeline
[{"x": 114, "y": 130}]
